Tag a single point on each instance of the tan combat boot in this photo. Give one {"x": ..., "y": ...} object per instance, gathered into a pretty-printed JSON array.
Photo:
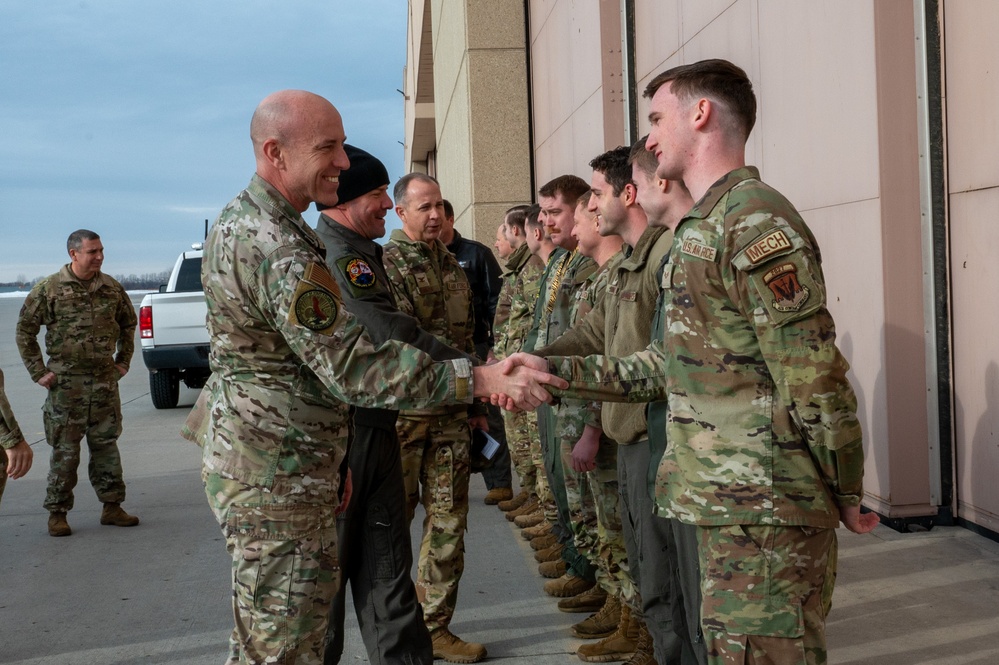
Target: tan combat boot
[
  {"x": 58, "y": 526},
  {"x": 543, "y": 542},
  {"x": 601, "y": 624},
  {"x": 588, "y": 601},
  {"x": 532, "y": 532},
  {"x": 618, "y": 646},
  {"x": 567, "y": 585},
  {"x": 453, "y": 649},
  {"x": 552, "y": 570},
  {"x": 530, "y": 519},
  {"x": 553, "y": 553},
  {"x": 528, "y": 506},
  {"x": 497, "y": 494},
  {"x": 114, "y": 515},
  {"x": 644, "y": 651},
  {"x": 515, "y": 502}
]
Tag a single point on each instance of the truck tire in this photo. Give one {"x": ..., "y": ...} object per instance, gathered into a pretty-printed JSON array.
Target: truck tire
[{"x": 164, "y": 388}]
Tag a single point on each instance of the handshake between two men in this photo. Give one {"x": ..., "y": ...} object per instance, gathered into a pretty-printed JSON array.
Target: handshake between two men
[{"x": 517, "y": 383}]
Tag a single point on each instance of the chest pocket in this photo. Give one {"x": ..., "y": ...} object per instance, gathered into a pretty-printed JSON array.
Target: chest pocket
[{"x": 781, "y": 270}]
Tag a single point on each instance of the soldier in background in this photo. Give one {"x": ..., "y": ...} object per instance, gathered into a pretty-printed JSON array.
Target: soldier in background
[
  {"x": 89, "y": 339},
  {"x": 484, "y": 277},
  {"x": 286, "y": 359},
  {"x": 17, "y": 455},
  {"x": 428, "y": 284},
  {"x": 514, "y": 313}
]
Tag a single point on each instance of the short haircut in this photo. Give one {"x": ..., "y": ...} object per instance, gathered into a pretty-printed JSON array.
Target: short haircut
[
  {"x": 569, "y": 187},
  {"x": 531, "y": 219},
  {"x": 448, "y": 209},
  {"x": 583, "y": 200},
  {"x": 645, "y": 159},
  {"x": 76, "y": 238},
  {"x": 614, "y": 165},
  {"x": 718, "y": 80},
  {"x": 401, "y": 187},
  {"x": 516, "y": 216}
]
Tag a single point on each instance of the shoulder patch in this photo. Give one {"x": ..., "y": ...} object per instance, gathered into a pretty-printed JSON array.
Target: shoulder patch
[
  {"x": 789, "y": 294},
  {"x": 359, "y": 273},
  {"x": 772, "y": 243},
  {"x": 319, "y": 274},
  {"x": 316, "y": 309}
]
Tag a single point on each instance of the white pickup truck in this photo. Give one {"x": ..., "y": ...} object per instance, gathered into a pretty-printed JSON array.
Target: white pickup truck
[{"x": 173, "y": 333}]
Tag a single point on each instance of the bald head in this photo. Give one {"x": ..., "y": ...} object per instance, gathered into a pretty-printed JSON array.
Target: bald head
[{"x": 298, "y": 144}]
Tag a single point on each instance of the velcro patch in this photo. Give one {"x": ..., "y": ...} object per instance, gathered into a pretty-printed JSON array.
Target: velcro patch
[
  {"x": 629, "y": 296},
  {"x": 359, "y": 273},
  {"x": 315, "y": 309},
  {"x": 319, "y": 274},
  {"x": 772, "y": 243},
  {"x": 698, "y": 250},
  {"x": 789, "y": 294}
]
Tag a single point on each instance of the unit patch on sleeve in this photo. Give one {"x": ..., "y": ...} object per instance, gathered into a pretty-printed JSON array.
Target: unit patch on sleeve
[
  {"x": 315, "y": 309},
  {"x": 782, "y": 280},
  {"x": 359, "y": 273}
]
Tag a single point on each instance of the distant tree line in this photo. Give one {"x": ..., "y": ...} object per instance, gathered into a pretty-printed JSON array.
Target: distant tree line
[{"x": 133, "y": 282}]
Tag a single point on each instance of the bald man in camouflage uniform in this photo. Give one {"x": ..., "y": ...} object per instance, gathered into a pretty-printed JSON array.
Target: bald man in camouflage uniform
[
  {"x": 764, "y": 450},
  {"x": 286, "y": 358},
  {"x": 429, "y": 285},
  {"x": 89, "y": 338}
]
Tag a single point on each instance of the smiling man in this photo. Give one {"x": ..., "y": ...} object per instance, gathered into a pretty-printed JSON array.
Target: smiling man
[
  {"x": 89, "y": 338},
  {"x": 286, "y": 360}
]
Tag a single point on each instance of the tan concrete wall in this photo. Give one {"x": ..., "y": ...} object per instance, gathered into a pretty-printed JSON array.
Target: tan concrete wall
[
  {"x": 825, "y": 138},
  {"x": 480, "y": 99},
  {"x": 972, "y": 88}
]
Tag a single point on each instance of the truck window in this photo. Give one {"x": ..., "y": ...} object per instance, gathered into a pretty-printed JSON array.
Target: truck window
[{"x": 189, "y": 277}]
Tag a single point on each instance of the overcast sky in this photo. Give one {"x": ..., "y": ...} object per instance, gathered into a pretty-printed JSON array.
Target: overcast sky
[{"x": 131, "y": 118}]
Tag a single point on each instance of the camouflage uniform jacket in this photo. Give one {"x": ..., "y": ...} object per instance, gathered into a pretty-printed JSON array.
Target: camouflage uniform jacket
[
  {"x": 572, "y": 414},
  {"x": 565, "y": 273},
  {"x": 356, "y": 264},
  {"x": 518, "y": 296},
  {"x": 10, "y": 433},
  {"x": 89, "y": 326},
  {"x": 430, "y": 286},
  {"x": 762, "y": 420},
  {"x": 285, "y": 356},
  {"x": 620, "y": 325}
]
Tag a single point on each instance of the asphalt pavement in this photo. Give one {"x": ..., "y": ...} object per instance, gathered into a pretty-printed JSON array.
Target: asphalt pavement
[{"x": 159, "y": 592}]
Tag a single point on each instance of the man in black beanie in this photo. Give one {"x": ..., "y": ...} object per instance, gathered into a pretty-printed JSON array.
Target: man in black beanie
[{"x": 375, "y": 550}]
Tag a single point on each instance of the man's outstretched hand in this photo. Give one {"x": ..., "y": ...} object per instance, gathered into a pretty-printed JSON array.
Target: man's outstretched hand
[{"x": 516, "y": 383}]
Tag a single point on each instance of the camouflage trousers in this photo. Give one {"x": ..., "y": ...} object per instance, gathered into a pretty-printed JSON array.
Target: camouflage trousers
[
  {"x": 766, "y": 593},
  {"x": 595, "y": 516},
  {"x": 77, "y": 406},
  {"x": 284, "y": 571},
  {"x": 521, "y": 430},
  {"x": 435, "y": 470}
]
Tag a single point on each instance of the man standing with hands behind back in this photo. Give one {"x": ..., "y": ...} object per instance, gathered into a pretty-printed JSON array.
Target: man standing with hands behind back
[{"x": 89, "y": 338}]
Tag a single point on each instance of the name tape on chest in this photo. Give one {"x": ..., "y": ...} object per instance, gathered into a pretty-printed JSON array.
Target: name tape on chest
[{"x": 698, "y": 250}]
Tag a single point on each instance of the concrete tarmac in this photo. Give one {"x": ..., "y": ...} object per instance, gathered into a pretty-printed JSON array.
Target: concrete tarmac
[{"x": 159, "y": 592}]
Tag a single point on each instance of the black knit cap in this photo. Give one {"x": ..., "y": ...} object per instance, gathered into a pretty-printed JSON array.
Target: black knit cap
[{"x": 366, "y": 173}]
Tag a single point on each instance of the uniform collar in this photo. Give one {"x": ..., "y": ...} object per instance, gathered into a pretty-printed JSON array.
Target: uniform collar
[
  {"x": 636, "y": 258},
  {"x": 66, "y": 274},
  {"x": 716, "y": 191},
  {"x": 520, "y": 256},
  {"x": 283, "y": 210}
]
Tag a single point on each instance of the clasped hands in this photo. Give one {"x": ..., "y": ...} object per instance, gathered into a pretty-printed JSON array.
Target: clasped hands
[{"x": 517, "y": 383}]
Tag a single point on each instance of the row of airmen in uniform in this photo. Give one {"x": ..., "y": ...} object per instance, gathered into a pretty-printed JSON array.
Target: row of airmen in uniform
[{"x": 675, "y": 278}]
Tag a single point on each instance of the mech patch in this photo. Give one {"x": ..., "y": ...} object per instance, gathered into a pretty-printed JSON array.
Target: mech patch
[
  {"x": 316, "y": 309},
  {"x": 359, "y": 273},
  {"x": 698, "y": 250},
  {"x": 782, "y": 280},
  {"x": 772, "y": 243}
]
